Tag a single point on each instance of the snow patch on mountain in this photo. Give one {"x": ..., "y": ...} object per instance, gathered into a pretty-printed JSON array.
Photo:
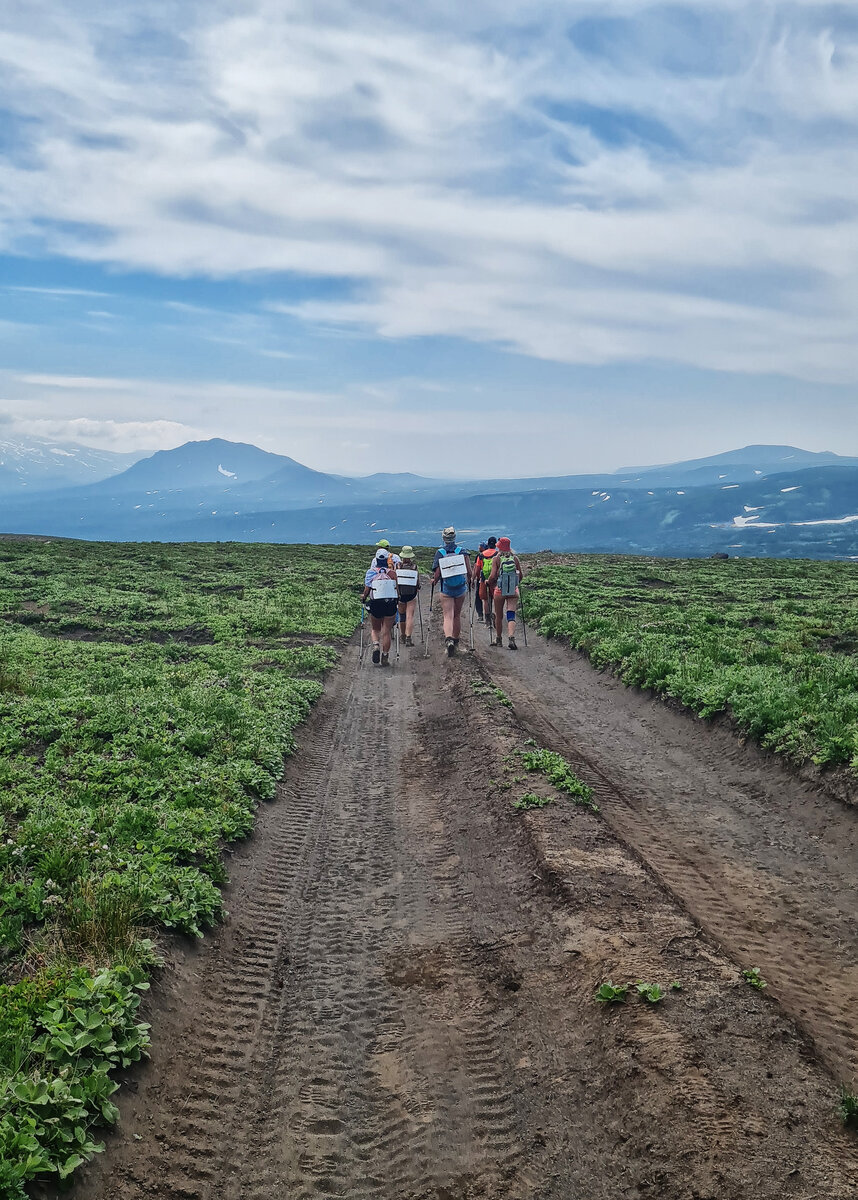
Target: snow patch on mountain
[{"x": 32, "y": 464}]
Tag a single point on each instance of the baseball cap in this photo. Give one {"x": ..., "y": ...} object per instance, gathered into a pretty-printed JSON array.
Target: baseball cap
[
  {"x": 384, "y": 543},
  {"x": 381, "y": 556}
]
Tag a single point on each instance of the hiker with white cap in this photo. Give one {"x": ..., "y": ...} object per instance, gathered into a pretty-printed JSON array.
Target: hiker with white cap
[
  {"x": 384, "y": 544},
  {"x": 382, "y": 595},
  {"x": 452, "y": 569},
  {"x": 408, "y": 581}
]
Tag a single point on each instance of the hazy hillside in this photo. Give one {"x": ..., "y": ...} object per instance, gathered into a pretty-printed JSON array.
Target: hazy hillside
[
  {"x": 29, "y": 464},
  {"x": 811, "y": 513},
  {"x": 217, "y": 490}
]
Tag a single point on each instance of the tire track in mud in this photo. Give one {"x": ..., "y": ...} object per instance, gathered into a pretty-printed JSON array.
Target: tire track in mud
[
  {"x": 400, "y": 1005},
  {"x": 341, "y": 1042},
  {"x": 766, "y": 867}
]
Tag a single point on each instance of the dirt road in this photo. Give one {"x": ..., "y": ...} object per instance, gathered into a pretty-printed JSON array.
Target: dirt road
[
  {"x": 400, "y": 1005},
  {"x": 764, "y": 862}
]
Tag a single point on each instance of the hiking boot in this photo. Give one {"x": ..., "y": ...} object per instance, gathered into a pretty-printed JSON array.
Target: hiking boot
[
  {"x": 451, "y": 647},
  {"x": 512, "y": 644},
  {"x": 385, "y": 660},
  {"x": 498, "y": 642},
  {"x": 376, "y": 655},
  {"x": 409, "y": 640}
]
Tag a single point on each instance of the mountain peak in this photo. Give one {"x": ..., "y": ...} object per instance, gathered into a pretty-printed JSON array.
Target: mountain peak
[{"x": 32, "y": 464}]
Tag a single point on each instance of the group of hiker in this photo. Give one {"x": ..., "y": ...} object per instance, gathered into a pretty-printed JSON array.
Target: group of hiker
[{"x": 392, "y": 586}]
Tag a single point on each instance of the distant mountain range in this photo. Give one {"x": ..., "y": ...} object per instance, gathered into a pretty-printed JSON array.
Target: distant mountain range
[
  {"x": 762, "y": 500},
  {"x": 33, "y": 465}
]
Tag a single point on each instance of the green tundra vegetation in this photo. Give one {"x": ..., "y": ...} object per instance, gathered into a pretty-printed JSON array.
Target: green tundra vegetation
[
  {"x": 771, "y": 642},
  {"x": 148, "y": 694}
]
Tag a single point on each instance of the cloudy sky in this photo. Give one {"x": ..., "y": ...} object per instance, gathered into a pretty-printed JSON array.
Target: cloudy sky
[{"x": 536, "y": 235}]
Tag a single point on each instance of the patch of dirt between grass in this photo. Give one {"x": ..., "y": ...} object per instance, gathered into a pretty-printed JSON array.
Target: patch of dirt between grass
[
  {"x": 714, "y": 1092},
  {"x": 840, "y": 783}
]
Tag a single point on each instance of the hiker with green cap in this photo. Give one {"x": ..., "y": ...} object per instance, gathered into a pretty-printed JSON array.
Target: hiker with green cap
[
  {"x": 408, "y": 580},
  {"x": 384, "y": 544},
  {"x": 504, "y": 579},
  {"x": 452, "y": 569}
]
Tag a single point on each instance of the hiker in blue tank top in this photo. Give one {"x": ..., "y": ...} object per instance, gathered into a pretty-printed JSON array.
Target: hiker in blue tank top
[{"x": 452, "y": 569}]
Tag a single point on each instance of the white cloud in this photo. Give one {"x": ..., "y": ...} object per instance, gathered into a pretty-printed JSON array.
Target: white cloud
[
  {"x": 406, "y": 423},
  {"x": 473, "y": 169},
  {"x": 108, "y": 434},
  {"x": 54, "y": 291}
]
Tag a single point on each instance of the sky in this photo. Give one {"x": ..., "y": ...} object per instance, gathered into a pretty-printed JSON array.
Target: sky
[{"x": 540, "y": 236}]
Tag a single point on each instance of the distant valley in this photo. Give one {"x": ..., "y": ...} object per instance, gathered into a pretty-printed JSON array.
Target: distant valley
[{"x": 758, "y": 500}]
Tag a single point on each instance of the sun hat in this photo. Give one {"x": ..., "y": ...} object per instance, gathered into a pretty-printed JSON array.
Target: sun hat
[
  {"x": 503, "y": 543},
  {"x": 407, "y": 552},
  {"x": 449, "y": 533},
  {"x": 384, "y": 543}
]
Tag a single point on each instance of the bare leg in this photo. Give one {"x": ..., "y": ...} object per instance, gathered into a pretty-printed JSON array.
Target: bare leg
[
  {"x": 409, "y": 617},
  {"x": 386, "y": 634},
  {"x": 447, "y": 605},
  {"x": 458, "y": 602},
  {"x": 511, "y": 606},
  {"x": 376, "y": 623},
  {"x": 499, "y": 599}
]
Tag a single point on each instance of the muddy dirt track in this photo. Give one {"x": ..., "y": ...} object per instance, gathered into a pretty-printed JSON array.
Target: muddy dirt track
[{"x": 400, "y": 1005}]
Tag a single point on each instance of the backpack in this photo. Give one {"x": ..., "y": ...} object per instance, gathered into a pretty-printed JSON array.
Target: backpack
[
  {"x": 507, "y": 575},
  {"x": 487, "y": 556},
  {"x": 454, "y": 571},
  {"x": 383, "y": 585}
]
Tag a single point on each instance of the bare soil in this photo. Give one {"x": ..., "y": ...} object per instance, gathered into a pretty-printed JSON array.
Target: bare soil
[
  {"x": 400, "y": 1005},
  {"x": 763, "y": 860}
]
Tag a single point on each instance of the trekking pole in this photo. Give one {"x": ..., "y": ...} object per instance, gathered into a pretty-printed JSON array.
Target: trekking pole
[
  {"x": 429, "y": 620},
  {"x": 471, "y": 629},
  {"x": 521, "y": 608},
  {"x": 398, "y": 640},
  {"x": 362, "y": 615},
  {"x": 420, "y": 615}
]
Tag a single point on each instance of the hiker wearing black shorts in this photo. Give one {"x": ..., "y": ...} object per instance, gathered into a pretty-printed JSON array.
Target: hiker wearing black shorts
[
  {"x": 478, "y": 588},
  {"x": 381, "y": 596},
  {"x": 408, "y": 582}
]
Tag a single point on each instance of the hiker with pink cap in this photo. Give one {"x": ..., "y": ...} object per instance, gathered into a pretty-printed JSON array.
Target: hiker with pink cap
[{"x": 504, "y": 579}]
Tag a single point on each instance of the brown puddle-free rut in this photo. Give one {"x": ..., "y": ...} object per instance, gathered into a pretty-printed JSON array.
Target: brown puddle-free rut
[
  {"x": 765, "y": 862},
  {"x": 400, "y": 1004}
]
